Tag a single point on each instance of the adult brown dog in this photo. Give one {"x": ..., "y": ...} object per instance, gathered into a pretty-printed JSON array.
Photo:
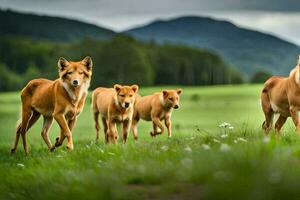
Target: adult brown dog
[
  {"x": 115, "y": 106},
  {"x": 155, "y": 108},
  {"x": 62, "y": 99},
  {"x": 281, "y": 95}
]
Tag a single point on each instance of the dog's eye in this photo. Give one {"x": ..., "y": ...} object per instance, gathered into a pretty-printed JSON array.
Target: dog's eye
[
  {"x": 171, "y": 99},
  {"x": 122, "y": 95},
  {"x": 80, "y": 73},
  {"x": 130, "y": 95},
  {"x": 69, "y": 73}
]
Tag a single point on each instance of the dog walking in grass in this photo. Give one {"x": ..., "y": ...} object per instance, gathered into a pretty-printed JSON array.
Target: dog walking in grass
[
  {"x": 281, "y": 95},
  {"x": 155, "y": 108},
  {"x": 62, "y": 99},
  {"x": 115, "y": 105}
]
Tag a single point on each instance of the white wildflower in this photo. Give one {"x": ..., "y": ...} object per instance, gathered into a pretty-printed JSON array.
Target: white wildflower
[
  {"x": 224, "y": 135},
  {"x": 231, "y": 127},
  {"x": 20, "y": 165},
  {"x": 205, "y": 146},
  {"x": 101, "y": 150},
  {"x": 225, "y": 147},
  {"x": 242, "y": 139},
  {"x": 266, "y": 139},
  {"x": 164, "y": 148},
  {"x": 224, "y": 125},
  {"x": 188, "y": 149},
  {"x": 216, "y": 141}
]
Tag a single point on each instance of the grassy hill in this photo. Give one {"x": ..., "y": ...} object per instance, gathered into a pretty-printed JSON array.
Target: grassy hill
[
  {"x": 247, "y": 50},
  {"x": 49, "y": 28}
]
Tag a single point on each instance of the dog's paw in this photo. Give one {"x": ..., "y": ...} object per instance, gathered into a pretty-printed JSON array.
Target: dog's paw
[
  {"x": 57, "y": 143},
  {"x": 52, "y": 149},
  {"x": 152, "y": 134},
  {"x": 12, "y": 151},
  {"x": 70, "y": 147}
]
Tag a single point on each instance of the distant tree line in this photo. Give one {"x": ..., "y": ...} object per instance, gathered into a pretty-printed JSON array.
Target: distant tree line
[{"x": 120, "y": 59}]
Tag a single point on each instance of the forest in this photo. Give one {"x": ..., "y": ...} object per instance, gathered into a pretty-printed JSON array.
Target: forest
[{"x": 120, "y": 59}]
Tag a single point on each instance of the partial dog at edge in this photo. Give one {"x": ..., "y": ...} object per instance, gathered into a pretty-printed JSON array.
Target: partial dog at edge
[
  {"x": 115, "y": 106},
  {"x": 62, "y": 99},
  {"x": 281, "y": 95},
  {"x": 155, "y": 108}
]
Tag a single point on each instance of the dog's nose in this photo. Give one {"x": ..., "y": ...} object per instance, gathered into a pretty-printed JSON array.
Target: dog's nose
[
  {"x": 176, "y": 106},
  {"x": 75, "y": 82},
  {"x": 127, "y": 104}
]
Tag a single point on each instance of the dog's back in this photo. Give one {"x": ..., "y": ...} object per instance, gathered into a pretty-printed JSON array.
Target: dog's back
[
  {"x": 101, "y": 99},
  {"x": 144, "y": 105}
]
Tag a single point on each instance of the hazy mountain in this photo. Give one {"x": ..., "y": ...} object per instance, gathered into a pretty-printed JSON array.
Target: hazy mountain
[
  {"x": 247, "y": 50},
  {"x": 49, "y": 28}
]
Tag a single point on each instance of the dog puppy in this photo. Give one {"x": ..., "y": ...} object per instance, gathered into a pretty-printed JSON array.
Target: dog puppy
[
  {"x": 62, "y": 99},
  {"x": 155, "y": 108},
  {"x": 115, "y": 106}
]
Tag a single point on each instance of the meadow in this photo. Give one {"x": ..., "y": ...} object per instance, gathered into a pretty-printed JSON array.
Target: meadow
[{"x": 205, "y": 159}]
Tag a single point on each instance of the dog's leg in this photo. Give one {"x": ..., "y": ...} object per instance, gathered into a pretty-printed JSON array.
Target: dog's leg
[
  {"x": 158, "y": 123},
  {"x": 105, "y": 128},
  {"x": 46, "y": 126},
  {"x": 18, "y": 132},
  {"x": 61, "y": 138},
  {"x": 96, "y": 119},
  {"x": 112, "y": 131},
  {"x": 26, "y": 115},
  {"x": 168, "y": 124},
  {"x": 34, "y": 117},
  {"x": 126, "y": 126},
  {"x": 279, "y": 123},
  {"x": 152, "y": 133},
  {"x": 60, "y": 118},
  {"x": 134, "y": 128},
  {"x": 269, "y": 114},
  {"x": 294, "y": 110}
]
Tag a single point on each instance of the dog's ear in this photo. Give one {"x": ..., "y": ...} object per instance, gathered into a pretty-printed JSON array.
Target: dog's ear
[
  {"x": 165, "y": 93},
  {"x": 62, "y": 63},
  {"x": 117, "y": 87},
  {"x": 87, "y": 62},
  {"x": 135, "y": 88},
  {"x": 179, "y": 91}
]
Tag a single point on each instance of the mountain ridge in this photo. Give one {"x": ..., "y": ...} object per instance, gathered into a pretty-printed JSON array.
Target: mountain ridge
[{"x": 248, "y": 50}]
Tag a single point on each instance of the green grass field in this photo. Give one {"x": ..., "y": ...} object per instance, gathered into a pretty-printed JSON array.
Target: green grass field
[{"x": 201, "y": 161}]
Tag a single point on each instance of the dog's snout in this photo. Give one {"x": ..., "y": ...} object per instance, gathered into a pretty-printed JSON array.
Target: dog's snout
[
  {"x": 75, "y": 82},
  {"x": 176, "y": 106},
  {"x": 127, "y": 104}
]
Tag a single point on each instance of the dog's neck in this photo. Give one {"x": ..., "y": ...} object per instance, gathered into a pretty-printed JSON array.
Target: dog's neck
[
  {"x": 75, "y": 93},
  {"x": 296, "y": 75}
]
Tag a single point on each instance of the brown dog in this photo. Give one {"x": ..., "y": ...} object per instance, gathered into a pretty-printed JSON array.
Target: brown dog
[
  {"x": 62, "y": 99},
  {"x": 156, "y": 107},
  {"x": 281, "y": 95},
  {"x": 115, "y": 105}
]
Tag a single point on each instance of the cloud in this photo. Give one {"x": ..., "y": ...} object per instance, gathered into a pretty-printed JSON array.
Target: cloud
[{"x": 274, "y": 16}]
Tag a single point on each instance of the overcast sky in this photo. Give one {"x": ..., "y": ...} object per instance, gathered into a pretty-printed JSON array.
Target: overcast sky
[{"x": 280, "y": 17}]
